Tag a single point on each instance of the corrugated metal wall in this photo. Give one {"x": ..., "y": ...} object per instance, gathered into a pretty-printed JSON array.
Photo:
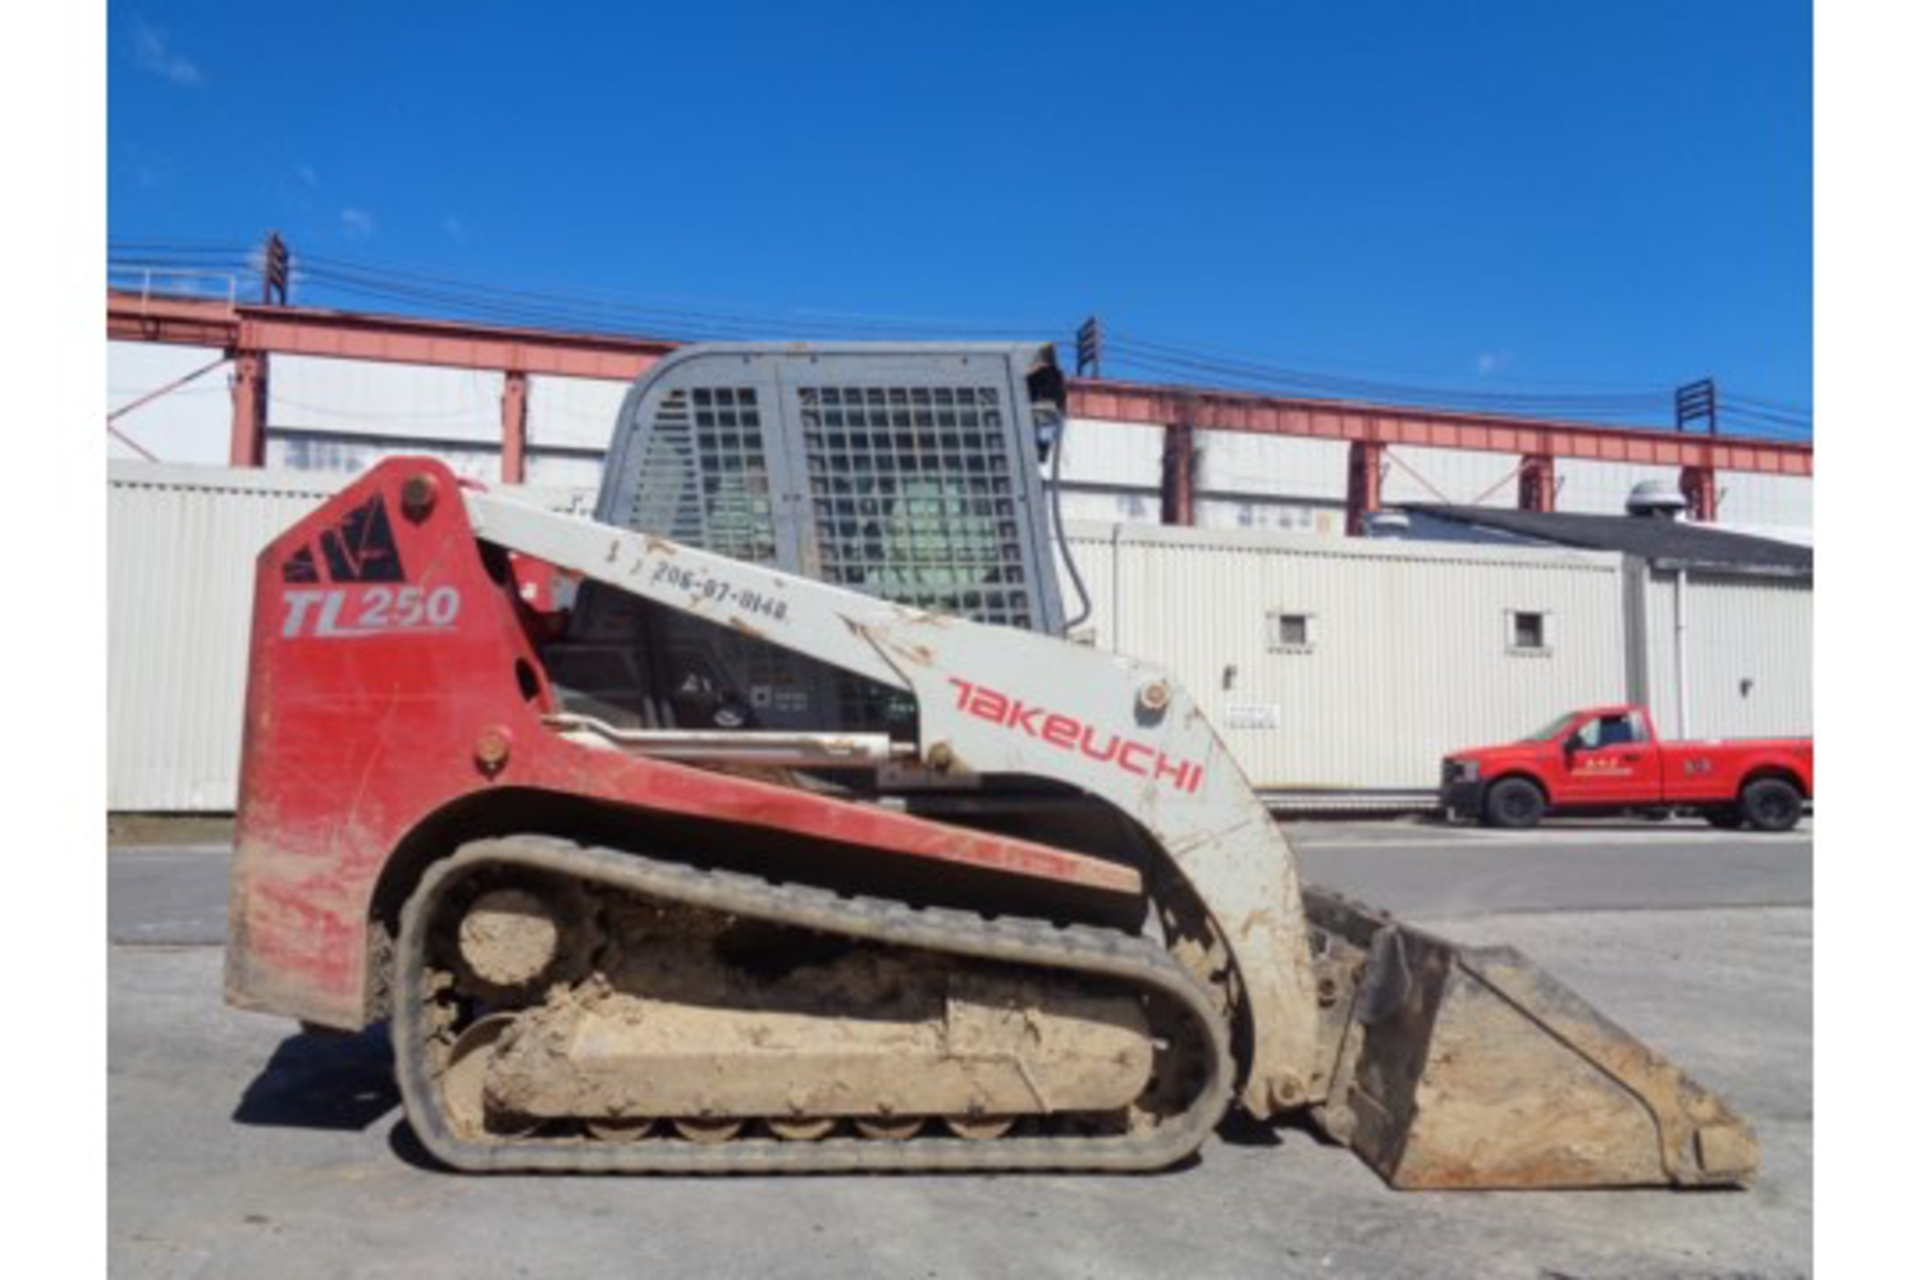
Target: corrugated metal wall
[
  {"x": 1749, "y": 656},
  {"x": 181, "y": 542},
  {"x": 180, "y": 548},
  {"x": 1408, "y": 654}
]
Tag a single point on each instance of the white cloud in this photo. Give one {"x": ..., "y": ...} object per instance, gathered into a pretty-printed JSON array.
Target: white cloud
[
  {"x": 308, "y": 175},
  {"x": 151, "y": 52},
  {"x": 455, "y": 228},
  {"x": 1490, "y": 360},
  {"x": 357, "y": 223}
]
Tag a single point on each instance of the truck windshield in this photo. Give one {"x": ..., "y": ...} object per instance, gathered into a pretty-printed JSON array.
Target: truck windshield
[{"x": 1554, "y": 730}]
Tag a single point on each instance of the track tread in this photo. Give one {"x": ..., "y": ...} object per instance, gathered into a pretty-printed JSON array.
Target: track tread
[{"x": 1018, "y": 940}]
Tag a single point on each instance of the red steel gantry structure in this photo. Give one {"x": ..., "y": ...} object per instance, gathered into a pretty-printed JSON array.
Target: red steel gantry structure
[{"x": 250, "y": 334}]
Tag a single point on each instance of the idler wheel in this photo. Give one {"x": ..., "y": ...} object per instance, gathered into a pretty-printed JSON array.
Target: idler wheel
[
  {"x": 801, "y": 1130},
  {"x": 888, "y": 1128},
  {"x": 979, "y": 1128},
  {"x": 707, "y": 1133},
  {"x": 621, "y": 1128},
  {"x": 509, "y": 937}
]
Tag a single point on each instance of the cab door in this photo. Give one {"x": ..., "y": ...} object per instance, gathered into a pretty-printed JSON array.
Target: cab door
[{"x": 1609, "y": 760}]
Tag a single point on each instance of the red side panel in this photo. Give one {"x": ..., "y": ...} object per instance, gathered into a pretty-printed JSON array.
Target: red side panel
[{"x": 391, "y": 674}]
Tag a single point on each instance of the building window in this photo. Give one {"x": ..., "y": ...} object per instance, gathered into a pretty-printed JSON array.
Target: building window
[
  {"x": 1528, "y": 632},
  {"x": 1289, "y": 632}
]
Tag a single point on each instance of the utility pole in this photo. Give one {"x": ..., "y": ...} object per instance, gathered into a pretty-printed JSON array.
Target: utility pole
[
  {"x": 1089, "y": 344},
  {"x": 1697, "y": 402},
  {"x": 274, "y": 272}
]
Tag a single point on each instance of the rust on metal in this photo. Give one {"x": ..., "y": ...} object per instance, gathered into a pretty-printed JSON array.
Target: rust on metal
[
  {"x": 493, "y": 748},
  {"x": 418, "y": 495},
  {"x": 1469, "y": 1067}
]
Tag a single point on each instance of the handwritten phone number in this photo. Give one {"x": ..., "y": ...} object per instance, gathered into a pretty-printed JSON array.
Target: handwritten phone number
[{"x": 719, "y": 590}]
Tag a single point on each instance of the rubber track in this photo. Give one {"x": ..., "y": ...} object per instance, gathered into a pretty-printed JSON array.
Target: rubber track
[{"x": 1078, "y": 948}]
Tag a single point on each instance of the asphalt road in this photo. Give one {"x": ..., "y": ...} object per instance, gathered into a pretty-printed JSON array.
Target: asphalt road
[
  {"x": 177, "y": 894},
  {"x": 240, "y": 1147},
  {"x": 1432, "y": 870}
]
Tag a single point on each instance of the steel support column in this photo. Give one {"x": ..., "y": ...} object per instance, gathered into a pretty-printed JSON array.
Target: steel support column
[
  {"x": 1176, "y": 475},
  {"x": 1537, "y": 482},
  {"x": 1363, "y": 484},
  {"x": 1701, "y": 487},
  {"x": 513, "y": 428},
  {"x": 247, "y": 446}
]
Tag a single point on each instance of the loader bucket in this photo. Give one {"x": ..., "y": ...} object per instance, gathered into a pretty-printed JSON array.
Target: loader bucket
[{"x": 1469, "y": 1067}]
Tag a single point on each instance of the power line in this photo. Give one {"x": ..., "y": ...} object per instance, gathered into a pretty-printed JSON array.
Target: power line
[
  {"x": 1241, "y": 353},
  {"x": 1781, "y": 405},
  {"x": 592, "y": 300},
  {"x": 413, "y": 290},
  {"x": 1168, "y": 354},
  {"x": 601, "y": 312},
  {"x": 1430, "y": 397}
]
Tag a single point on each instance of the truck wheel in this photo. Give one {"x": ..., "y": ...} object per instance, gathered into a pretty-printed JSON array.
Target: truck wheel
[
  {"x": 1771, "y": 804},
  {"x": 1514, "y": 803},
  {"x": 1727, "y": 819}
]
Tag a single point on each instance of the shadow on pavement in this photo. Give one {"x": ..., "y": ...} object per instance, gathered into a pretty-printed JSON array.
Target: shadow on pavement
[
  {"x": 406, "y": 1144},
  {"x": 323, "y": 1081},
  {"x": 1239, "y": 1129},
  {"x": 1683, "y": 825}
]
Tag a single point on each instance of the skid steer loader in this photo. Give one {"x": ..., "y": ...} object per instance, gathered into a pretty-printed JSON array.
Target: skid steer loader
[{"x": 797, "y": 837}]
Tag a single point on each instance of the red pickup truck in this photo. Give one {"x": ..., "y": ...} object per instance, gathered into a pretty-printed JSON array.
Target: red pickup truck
[{"x": 1608, "y": 759}]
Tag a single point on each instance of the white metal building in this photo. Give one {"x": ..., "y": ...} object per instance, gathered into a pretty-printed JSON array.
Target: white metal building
[
  {"x": 1719, "y": 623},
  {"x": 1343, "y": 669},
  {"x": 1336, "y": 668}
]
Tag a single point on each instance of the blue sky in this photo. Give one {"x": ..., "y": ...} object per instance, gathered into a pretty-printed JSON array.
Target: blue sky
[{"x": 1594, "y": 199}]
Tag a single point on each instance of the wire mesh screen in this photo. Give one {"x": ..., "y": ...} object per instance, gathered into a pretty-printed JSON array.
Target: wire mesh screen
[
  {"x": 703, "y": 476},
  {"x": 908, "y": 472},
  {"x": 913, "y": 498}
]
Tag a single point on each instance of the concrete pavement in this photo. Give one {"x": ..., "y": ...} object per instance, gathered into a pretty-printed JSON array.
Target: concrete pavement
[{"x": 240, "y": 1146}]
